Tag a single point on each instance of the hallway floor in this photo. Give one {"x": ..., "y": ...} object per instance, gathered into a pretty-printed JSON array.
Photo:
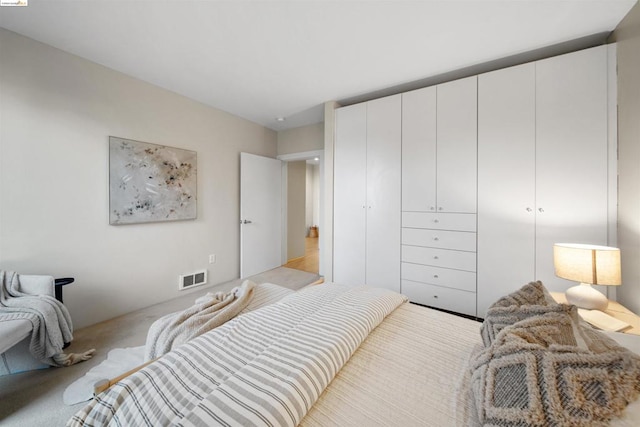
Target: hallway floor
[{"x": 309, "y": 262}]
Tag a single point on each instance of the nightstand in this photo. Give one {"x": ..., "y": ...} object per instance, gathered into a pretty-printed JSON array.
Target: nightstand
[{"x": 615, "y": 310}]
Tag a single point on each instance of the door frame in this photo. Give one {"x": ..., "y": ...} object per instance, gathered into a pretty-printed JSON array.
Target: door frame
[{"x": 294, "y": 157}]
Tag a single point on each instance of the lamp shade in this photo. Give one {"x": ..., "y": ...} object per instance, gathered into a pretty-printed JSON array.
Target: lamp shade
[{"x": 591, "y": 264}]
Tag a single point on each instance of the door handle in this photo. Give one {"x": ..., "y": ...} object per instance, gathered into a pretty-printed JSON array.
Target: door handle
[{"x": 245, "y": 221}]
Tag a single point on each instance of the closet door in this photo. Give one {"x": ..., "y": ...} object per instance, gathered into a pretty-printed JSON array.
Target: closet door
[
  {"x": 571, "y": 166},
  {"x": 350, "y": 195},
  {"x": 419, "y": 150},
  {"x": 506, "y": 182},
  {"x": 383, "y": 192},
  {"x": 457, "y": 127}
]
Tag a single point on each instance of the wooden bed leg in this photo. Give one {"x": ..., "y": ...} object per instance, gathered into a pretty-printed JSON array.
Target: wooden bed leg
[{"x": 102, "y": 385}]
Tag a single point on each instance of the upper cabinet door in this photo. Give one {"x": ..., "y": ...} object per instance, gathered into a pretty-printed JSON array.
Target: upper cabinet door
[
  {"x": 383, "y": 192},
  {"x": 571, "y": 164},
  {"x": 350, "y": 175},
  {"x": 457, "y": 125},
  {"x": 419, "y": 150},
  {"x": 506, "y": 182}
]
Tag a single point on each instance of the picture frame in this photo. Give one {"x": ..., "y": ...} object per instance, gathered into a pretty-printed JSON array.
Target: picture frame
[{"x": 150, "y": 182}]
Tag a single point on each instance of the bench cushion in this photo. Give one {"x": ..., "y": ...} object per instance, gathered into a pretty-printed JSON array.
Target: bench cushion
[{"x": 12, "y": 332}]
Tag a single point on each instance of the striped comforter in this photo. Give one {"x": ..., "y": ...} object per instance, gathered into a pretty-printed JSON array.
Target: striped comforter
[{"x": 267, "y": 367}]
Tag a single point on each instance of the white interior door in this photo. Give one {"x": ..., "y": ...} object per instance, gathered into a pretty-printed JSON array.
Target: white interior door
[
  {"x": 457, "y": 130},
  {"x": 571, "y": 156},
  {"x": 384, "y": 137},
  {"x": 349, "y": 197},
  {"x": 506, "y": 182},
  {"x": 419, "y": 150},
  {"x": 260, "y": 214}
]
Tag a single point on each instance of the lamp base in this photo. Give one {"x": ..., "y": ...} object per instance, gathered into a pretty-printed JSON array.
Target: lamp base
[{"x": 584, "y": 296}]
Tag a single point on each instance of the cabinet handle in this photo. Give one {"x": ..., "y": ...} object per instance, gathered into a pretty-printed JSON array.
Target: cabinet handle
[
  {"x": 435, "y": 296},
  {"x": 540, "y": 210},
  {"x": 436, "y": 239},
  {"x": 529, "y": 209},
  {"x": 435, "y": 257},
  {"x": 431, "y": 208},
  {"x": 435, "y": 276},
  {"x": 436, "y": 221},
  {"x": 439, "y": 208}
]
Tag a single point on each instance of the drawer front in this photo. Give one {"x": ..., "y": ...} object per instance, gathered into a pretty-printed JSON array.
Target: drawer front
[
  {"x": 439, "y": 221},
  {"x": 457, "y": 279},
  {"x": 446, "y": 258},
  {"x": 459, "y": 240},
  {"x": 444, "y": 298}
]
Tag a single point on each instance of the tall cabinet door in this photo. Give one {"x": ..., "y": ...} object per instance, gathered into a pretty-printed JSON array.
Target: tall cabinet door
[
  {"x": 419, "y": 150},
  {"x": 506, "y": 182},
  {"x": 571, "y": 166},
  {"x": 457, "y": 126},
  {"x": 350, "y": 205},
  {"x": 383, "y": 192}
]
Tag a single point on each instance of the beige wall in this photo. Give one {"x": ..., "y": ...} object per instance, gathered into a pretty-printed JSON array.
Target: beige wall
[
  {"x": 326, "y": 243},
  {"x": 301, "y": 139},
  {"x": 57, "y": 112},
  {"x": 312, "y": 209},
  {"x": 627, "y": 35},
  {"x": 296, "y": 195}
]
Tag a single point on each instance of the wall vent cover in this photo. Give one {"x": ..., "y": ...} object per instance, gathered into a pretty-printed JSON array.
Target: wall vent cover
[{"x": 192, "y": 280}]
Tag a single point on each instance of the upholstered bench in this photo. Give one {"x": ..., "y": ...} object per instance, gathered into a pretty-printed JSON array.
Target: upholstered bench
[{"x": 16, "y": 334}]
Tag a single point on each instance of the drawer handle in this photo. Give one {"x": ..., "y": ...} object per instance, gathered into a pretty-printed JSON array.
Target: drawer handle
[
  {"x": 436, "y": 221},
  {"x": 435, "y": 257},
  {"x": 436, "y": 238},
  {"x": 435, "y": 296},
  {"x": 439, "y": 208},
  {"x": 529, "y": 209},
  {"x": 435, "y": 276},
  {"x": 431, "y": 208}
]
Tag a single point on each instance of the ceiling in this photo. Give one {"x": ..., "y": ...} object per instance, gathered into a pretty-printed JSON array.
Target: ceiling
[{"x": 266, "y": 59}]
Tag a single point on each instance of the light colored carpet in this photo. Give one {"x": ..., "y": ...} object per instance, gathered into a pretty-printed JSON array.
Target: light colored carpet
[{"x": 34, "y": 398}]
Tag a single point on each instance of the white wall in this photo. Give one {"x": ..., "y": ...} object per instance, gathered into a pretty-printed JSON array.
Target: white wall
[
  {"x": 301, "y": 139},
  {"x": 312, "y": 209},
  {"x": 56, "y": 114},
  {"x": 627, "y": 35},
  {"x": 326, "y": 189},
  {"x": 296, "y": 185}
]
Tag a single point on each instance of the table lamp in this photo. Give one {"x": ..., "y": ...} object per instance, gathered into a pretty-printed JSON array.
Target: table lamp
[{"x": 589, "y": 265}]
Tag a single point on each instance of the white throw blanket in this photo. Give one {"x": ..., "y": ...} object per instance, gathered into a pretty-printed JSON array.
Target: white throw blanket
[
  {"x": 50, "y": 319},
  {"x": 208, "y": 313}
]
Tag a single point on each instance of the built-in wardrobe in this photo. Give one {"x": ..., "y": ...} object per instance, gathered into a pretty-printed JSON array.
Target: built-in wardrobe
[
  {"x": 367, "y": 165},
  {"x": 492, "y": 171}
]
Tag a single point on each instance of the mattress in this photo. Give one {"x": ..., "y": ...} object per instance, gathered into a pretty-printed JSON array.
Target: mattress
[
  {"x": 405, "y": 373},
  {"x": 394, "y": 363}
]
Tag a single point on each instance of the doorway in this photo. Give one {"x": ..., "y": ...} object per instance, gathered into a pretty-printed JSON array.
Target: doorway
[{"x": 302, "y": 177}]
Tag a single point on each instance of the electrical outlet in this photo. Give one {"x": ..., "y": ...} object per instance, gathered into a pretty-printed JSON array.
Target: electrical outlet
[{"x": 212, "y": 259}]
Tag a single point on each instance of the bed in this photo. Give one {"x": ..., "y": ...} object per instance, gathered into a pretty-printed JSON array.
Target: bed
[{"x": 334, "y": 355}]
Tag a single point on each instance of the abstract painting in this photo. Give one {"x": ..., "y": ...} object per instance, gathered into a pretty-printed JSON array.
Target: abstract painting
[{"x": 150, "y": 182}]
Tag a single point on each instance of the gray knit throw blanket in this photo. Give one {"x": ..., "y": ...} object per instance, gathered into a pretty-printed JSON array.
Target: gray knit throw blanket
[
  {"x": 51, "y": 322},
  {"x": 175, "y": 329},
  {"x": 541, "y": 365}
]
